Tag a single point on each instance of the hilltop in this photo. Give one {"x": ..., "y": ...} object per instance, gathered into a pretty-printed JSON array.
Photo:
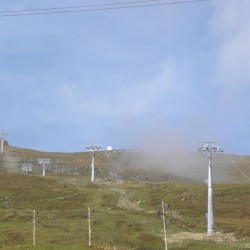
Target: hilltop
[
  {"x": 131, "y": 165},
  {"x": 124, "y": 204}
]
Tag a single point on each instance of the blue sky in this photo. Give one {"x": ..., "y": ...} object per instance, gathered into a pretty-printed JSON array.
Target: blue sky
[{"x": 124, "y": 77}]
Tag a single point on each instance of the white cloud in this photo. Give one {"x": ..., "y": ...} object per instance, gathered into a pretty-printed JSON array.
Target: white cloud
[
  {"x": 128, "y": 99},
  {"x": 231, "y": 25},
  {"x": 108, "y": 70}
]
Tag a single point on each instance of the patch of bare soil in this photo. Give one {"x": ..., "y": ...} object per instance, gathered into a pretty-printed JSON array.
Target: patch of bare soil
[
  {"x": 126, "y": 203},
  {"x": 218, "y": 237}
]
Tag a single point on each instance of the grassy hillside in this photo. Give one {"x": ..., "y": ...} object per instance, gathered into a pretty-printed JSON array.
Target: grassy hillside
[
  {"x": 125, "y": 214},
  {"x": 130, "y": 165},
  {"x": 126, "y": 200}
]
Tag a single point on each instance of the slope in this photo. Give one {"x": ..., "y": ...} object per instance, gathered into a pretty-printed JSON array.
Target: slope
[{"x": 124, "y": 214}]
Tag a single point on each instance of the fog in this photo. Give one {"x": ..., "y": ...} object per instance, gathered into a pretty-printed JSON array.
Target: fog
[{"x": 170, "y": 152}]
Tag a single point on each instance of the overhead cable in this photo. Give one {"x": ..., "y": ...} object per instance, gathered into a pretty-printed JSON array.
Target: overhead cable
[
  {"x": 93, "y": 7},
  {"x": 80, "y": 6},
  {"x": 236, "y": 166}
]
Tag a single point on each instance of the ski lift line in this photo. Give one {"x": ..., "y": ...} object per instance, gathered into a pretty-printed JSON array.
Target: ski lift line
[
  {"x": 80, "y": 6},
  {"x": 116, "y": 165},
  {"x": 68, "y": 10},
  {"x": 147, "y": 182},
  {"x": 104, "y": 177},
  {"x": 237, "y": 167}
]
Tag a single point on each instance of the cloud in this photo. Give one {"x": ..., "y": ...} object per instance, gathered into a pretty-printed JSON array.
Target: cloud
[
  {"x": 125, "y": 71},
  {"x": 230, "y": 81},
  {"x": 118, "y": 99},
  {"x": 231, "y": 25}
]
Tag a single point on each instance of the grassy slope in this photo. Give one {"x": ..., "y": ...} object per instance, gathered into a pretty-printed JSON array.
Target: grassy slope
[
  {"x": 125, "y": 215},
  {"x": 226, "y": 167}
]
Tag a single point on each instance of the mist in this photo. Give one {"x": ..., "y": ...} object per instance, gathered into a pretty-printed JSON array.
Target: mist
[{"x": 171, "y": 152}]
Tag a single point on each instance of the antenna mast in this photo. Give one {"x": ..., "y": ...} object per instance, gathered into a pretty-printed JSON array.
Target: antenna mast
[
  {"x": 93, "y": 148},
  {"x": 210, "y": 147}
]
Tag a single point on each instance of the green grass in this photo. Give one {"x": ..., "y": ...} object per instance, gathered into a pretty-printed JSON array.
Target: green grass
[{"x": 125, "y": 215}]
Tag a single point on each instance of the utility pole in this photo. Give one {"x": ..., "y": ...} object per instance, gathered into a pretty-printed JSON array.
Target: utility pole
[
  {"x": 34, "y": 227},
  {"x": 210, "y": 147},
  {"x": 3, "y": 133},
  {"x": 89, "y": 221},
  {"x": 164, "y": 225},
  {"x": 93, "y": 148},
  {"x": 88, "y": 218},
  {"x": 163, "y": 215}
]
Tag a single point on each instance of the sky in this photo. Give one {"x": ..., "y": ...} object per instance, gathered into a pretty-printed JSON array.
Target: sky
[{"x": 161, "y": 75}]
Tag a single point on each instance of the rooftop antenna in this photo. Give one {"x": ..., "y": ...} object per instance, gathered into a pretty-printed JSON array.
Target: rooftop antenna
[
  {"x": 93, "y": 148},
  {"x": 209, "y": 147},
  {"x": 3, "y": 133},
  {"x": 44, "y": 163}
]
